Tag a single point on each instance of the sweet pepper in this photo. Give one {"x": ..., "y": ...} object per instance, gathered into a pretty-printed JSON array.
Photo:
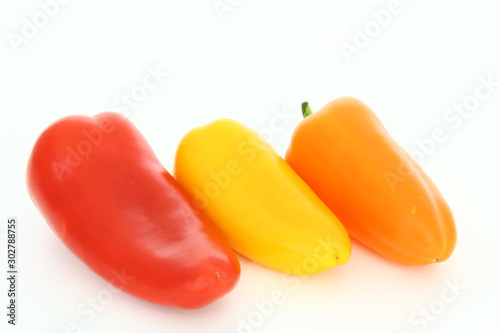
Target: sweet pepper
[
  {"x": 262, "y": 207},
  {"x": 102, "y": 190},
  {"x": 382, "y": 196}
]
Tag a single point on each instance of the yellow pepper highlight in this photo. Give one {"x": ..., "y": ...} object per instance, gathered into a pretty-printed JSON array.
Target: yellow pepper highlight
[{"x": 263, "y": 208}]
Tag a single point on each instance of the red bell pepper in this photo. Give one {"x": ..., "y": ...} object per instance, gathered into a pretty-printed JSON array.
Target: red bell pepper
[{"x": 103, "y": 191}]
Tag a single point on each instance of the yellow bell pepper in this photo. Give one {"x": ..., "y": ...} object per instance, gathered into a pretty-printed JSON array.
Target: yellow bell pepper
[{"x": 264, "y": 209}]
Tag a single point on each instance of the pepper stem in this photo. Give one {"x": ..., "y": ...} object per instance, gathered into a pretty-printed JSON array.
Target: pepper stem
[{"x": 306, "y": 110}]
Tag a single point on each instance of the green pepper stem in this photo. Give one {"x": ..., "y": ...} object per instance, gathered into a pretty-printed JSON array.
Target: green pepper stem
[{"x": 306, "y": 110}]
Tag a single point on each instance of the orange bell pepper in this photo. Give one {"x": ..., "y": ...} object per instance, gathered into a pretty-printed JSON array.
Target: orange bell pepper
[{"x": 381, "y": 195}]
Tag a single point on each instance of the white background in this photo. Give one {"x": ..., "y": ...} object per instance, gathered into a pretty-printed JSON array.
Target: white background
[{"x": 250, "y": 63}]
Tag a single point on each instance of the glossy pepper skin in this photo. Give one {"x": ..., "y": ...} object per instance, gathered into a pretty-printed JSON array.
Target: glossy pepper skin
[
  {"x": 263, "y": 208},
  {"x": 104, "y": 193},
  {"x": 381, "y": 195}
]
